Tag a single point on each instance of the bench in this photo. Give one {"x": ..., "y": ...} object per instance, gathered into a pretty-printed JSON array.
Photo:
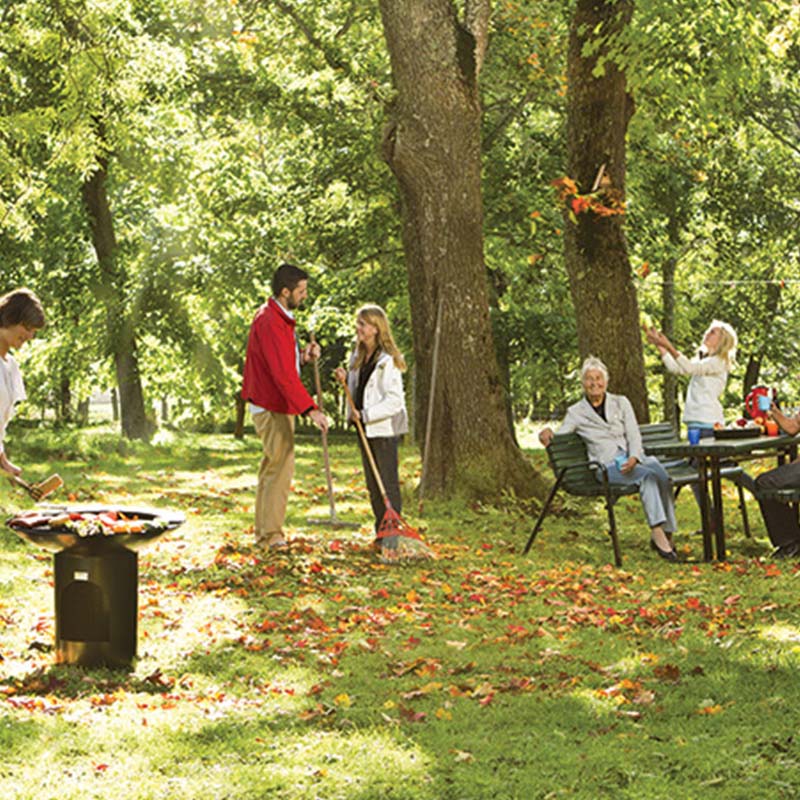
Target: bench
[{"x": 577, "y": 475}]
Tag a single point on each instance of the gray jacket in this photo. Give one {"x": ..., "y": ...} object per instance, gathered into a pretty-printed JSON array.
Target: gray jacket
[{"x": 605, "y": 438}]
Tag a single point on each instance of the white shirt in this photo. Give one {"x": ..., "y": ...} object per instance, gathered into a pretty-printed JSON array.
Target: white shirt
[
  {"x": 709, "y": 376},
  {"x": 12, "y": 390}
]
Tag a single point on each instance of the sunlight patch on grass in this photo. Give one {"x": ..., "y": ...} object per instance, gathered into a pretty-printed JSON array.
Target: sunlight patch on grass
[
  {"x": 117, "y": 755},
  {"x": 175, "y": 624},
  {"x": 785, "y": 634}
]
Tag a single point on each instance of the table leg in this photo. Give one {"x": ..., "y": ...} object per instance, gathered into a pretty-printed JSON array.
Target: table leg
[
  {"x": 705, "y": 511},
  {"x": 719, "y": 524}
]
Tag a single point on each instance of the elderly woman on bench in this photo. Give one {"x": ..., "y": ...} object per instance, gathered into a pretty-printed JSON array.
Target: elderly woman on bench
[{"x": 607, "y": 424}]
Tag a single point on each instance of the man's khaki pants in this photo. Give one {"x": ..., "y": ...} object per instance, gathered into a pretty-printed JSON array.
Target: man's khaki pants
[{"x": 276, "y": 432}]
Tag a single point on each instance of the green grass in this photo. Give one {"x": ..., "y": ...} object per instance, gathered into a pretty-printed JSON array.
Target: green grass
[{"x": 325, "y": 674}]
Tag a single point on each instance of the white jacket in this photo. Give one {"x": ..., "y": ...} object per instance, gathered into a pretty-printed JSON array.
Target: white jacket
[
  {"x": 709, "y": 376},
  {"x": 605, "y": 438},
  {"x": 384, "y": 412}
]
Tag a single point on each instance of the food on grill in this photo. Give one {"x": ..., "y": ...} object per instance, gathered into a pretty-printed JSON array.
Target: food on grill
[{"x": 87, "y": 523}]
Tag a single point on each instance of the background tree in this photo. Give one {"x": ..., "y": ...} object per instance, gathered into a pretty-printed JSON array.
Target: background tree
[{"x": 432, "y": 144}]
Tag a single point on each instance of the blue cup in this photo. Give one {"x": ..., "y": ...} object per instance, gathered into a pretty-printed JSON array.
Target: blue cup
[
  {"x": 620, "y": 462},
  {"x": 764, "y": 402},
  {"x": 693, "y": 434}
]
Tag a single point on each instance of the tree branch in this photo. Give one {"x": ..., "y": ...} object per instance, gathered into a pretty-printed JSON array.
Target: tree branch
[
  {"x": 331, "y": 58},
  {"x": 506, "y": 119},
  {"x": 782, "y": 138}
]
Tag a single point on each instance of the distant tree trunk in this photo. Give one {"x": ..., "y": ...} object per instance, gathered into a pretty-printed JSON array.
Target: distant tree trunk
[
  {"x": 83, "y": 412},
  {"x": 64, "y": 409},
  {"x": 432, "y": 144},
  {"x": 670, "y": 388},
  {"x": 238, "y": 430},
  {"x": 120, "y": 325},
  {"x": 500, "y": 339},
  {"x": 164, "y": 409},
  {"x": 603, "y": 294},
  {"x": 114, "y": 404}
]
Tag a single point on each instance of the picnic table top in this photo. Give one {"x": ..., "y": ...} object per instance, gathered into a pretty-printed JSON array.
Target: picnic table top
[{"x": 721, "y": 447}]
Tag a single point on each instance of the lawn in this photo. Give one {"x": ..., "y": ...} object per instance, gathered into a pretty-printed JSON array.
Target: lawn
[{"x": 324, "y": 674}]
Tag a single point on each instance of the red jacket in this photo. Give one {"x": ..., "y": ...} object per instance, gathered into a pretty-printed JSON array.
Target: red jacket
[{"x": 270, "y": 368}]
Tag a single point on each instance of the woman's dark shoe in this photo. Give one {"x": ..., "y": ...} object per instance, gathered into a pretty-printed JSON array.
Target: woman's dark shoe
[
  {"x": 667, "y": 555},
  {"x": 791, "y": 550}
]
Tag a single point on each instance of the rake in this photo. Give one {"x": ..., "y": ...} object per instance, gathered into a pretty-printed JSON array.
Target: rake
[
  {"x": 397, "y": 540},
  {"x": 333, "y": 521}
]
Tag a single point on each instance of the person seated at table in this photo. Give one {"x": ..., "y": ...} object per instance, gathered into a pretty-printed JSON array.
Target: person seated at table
[
  {"x": 780, "y": 518},
  {"x": 608, "y": 425}
]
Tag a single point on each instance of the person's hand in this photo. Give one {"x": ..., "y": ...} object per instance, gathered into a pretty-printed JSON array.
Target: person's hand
[
  {"x": 319, "y": 419},
  {"x": 311, "y": 352},
  {"x": 7, "y": 466},
  {"x": 340, "y": 374},
  {"x": 546, "y": 436},
  {"x": 355, "y": 414},
  {"x": 629, "y": 465}
]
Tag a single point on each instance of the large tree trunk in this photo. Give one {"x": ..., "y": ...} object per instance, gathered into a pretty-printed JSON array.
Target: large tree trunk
[
  {"x": 120, "y": 328},
  {"x": 603, "y": 294},
  {"x": 432, "y": 145}
]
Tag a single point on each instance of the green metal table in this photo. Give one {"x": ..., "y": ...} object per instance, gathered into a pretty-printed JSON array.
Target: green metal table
[{"x": 709, "y": 454}]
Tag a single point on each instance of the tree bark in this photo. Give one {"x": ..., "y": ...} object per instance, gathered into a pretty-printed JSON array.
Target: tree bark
[
  {"x": 603, "y": 293},
  {"x": 120, "y": 326},
  {"x": 432, "y": 144}
]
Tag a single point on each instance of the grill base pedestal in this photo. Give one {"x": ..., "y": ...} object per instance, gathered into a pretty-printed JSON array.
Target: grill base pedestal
[{"x": 96, "y": 606}]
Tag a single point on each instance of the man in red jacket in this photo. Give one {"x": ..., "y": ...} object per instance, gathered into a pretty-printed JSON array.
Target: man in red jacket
[{"x": 276, "y": 395}]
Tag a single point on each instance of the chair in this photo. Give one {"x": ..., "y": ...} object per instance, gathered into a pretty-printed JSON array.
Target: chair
[{"x": 578, "y": 476}]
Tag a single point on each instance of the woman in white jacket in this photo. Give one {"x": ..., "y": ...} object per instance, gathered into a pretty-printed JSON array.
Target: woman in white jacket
[{"x": 375, "y": 380}]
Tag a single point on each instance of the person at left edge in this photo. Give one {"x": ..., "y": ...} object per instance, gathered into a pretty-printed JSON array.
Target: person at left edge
[
  {"x": 21, "y": 315},
  {"x": 276, "y": 395}
]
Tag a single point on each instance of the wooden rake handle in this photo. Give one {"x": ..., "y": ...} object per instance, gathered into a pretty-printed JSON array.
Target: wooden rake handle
[{"x": 365, "y": 442}]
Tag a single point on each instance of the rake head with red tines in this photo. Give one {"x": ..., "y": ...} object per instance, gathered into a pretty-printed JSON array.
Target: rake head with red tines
[{"x": 398, "y": 540}]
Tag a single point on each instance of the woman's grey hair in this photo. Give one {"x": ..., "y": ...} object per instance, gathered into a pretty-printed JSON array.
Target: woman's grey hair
[{"x": 592, "y": 362}]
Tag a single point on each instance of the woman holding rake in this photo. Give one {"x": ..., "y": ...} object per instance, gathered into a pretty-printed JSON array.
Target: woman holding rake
[{"x": 375, "y": 382}]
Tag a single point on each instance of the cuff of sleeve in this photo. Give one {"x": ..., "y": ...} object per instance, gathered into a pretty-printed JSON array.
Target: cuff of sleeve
[
  {"x": 363, "y": 416},
  {"x": 307, "y": 411}
]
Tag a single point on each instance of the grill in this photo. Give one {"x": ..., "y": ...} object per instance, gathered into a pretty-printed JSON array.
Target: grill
[{"x": 96, "y": 580}]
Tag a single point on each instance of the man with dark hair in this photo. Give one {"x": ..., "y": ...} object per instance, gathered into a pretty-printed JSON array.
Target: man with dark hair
[{"x": 276, "y": 395}]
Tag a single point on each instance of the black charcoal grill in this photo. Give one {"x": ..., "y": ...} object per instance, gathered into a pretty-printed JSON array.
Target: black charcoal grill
[{"x": 96, "y": 583}]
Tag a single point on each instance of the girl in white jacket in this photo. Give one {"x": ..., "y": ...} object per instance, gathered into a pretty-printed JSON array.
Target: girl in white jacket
[
  {"x": 375, "y": 380},
  {"x": 708, "y": 370},
  {"x": 709, "y": 373}
]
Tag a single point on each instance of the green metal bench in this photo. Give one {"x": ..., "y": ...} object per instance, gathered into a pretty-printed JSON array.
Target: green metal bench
[{"x": 577, "y": 475}]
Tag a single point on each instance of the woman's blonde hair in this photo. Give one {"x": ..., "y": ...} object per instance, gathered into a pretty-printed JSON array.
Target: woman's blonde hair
[
  {"x": 375, "y": 315},
  {"x": 727, "y": 342}
]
